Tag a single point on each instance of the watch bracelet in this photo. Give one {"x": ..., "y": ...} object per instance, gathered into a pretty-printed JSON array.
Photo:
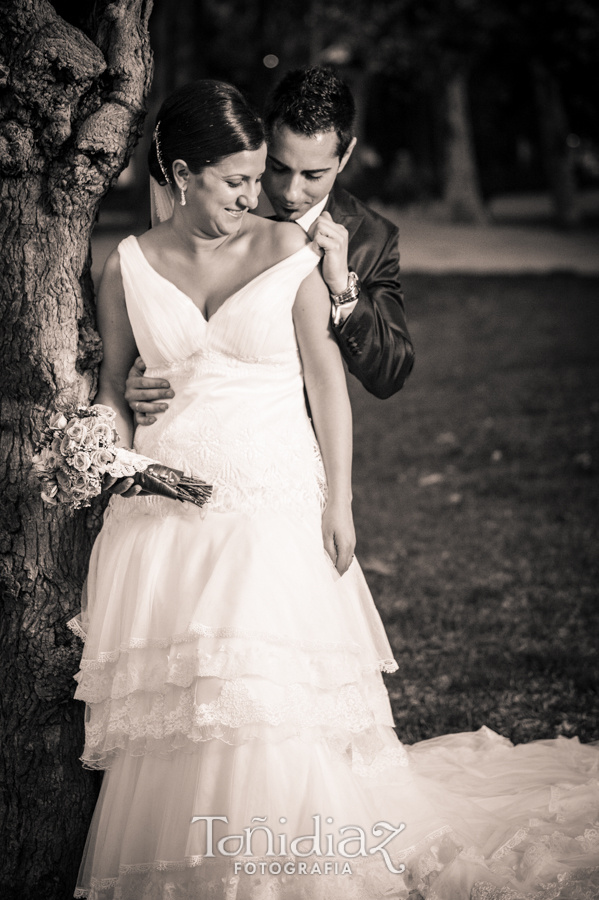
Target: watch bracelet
[{"x": 351, "y": 292}]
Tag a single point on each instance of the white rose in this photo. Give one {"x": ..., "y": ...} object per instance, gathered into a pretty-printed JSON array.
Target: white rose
[
  {"x": 58, "y": 420},
  {"x": 81, "y": 461}
]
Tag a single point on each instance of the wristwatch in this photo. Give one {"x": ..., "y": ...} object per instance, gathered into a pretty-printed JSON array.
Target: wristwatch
[{"x": 351, "y": 292}]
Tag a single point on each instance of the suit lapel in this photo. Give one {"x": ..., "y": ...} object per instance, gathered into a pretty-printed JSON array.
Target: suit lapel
[{"x": 343, "y": 216}]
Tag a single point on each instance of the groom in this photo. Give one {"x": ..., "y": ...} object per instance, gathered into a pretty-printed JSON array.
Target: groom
[{"x": 309, "y": 120}]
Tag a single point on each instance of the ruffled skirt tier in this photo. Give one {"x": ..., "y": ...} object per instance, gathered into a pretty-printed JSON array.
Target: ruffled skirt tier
[{"x": 226, "y": 627}]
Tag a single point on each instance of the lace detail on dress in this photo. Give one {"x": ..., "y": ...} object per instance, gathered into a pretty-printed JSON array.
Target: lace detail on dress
[
  {"x": 580, "y": 885},
  {"x": 196, "y": 630},
  {"x": 252, "y": 464},
  {"x": 516, "y": 839},
  {"x": 554, "y": 803},
  {"x": 154, "y": 669},
  {"x": 209, "y": 879},
  {"x": 75, "y": 626},
  {"x": 589, "y": 841},
  {"x": 212, "y": 879},
  {"x": 148, "y": 723},
  {"x": 483, "y": 890}
]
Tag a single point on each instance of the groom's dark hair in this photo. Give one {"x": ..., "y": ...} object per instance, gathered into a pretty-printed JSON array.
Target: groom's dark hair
[
  {"x": 202, "y": 123},
  {"x": 310, "y": 101}
]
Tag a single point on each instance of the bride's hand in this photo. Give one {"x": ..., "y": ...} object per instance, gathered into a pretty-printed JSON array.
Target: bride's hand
[
  {"x": 339, "y": 535},
  {"x": 124, "y": 487}
]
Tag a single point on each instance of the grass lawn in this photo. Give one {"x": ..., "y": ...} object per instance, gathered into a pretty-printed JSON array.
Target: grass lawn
[{"x": 477, "y": 503}]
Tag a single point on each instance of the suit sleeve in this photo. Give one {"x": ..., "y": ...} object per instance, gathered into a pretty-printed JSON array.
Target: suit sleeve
[{"x": 374, "y": 339}]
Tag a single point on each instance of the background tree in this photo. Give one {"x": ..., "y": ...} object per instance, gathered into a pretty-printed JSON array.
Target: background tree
[
  {"x": 559, "y": 42},
  {"x": 536, "y": 57},
  {"x": 71, "y": 108},
  {"x": 436, "y": 43}
]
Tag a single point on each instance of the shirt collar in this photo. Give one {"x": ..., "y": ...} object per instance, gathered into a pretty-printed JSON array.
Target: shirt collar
[{"x": 307, "y": 220}]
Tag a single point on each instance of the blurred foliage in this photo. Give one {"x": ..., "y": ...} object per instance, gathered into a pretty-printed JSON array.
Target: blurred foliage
[
  {"x": 405, "y": 51},
  {"x": 398, "y": 56}
]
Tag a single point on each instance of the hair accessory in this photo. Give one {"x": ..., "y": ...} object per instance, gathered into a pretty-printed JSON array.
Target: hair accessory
[
  {"x": 162, "y": 201},
  {"x": 183, "y": 200},
  {"x": 159, "y": 154}
]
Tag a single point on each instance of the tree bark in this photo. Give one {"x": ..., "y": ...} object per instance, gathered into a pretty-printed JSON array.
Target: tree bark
[
  {"x": 70, "y": 113},
  {"x": 557, "y": 156},
  {"x": 461, "y": 194}
]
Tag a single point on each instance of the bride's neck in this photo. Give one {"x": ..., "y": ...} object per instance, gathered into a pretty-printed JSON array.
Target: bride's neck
[{"x": 196, "y": 241}]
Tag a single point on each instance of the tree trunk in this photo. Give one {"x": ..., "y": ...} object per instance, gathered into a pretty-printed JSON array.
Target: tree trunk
[
  {"x": 70, "y": 113},
  {"x": 461, "y": 194},
  {"x": 557, "y": 156}
]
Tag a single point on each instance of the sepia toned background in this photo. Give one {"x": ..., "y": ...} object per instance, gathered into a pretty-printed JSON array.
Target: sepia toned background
[{"x": 476, "y": 487}]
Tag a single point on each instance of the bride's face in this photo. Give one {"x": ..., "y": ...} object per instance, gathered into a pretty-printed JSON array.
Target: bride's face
[{"x": 220, "y": 196}]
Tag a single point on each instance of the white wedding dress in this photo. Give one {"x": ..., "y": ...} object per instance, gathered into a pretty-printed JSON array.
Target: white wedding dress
[{"x": 228, "y": 671}]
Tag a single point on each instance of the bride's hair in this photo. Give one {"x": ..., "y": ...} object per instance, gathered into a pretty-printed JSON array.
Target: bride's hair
[{"x": 202, "y": 123}]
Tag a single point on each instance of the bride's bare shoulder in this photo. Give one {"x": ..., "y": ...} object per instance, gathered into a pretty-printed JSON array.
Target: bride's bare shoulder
[
  {"x": 290, "y": 237},
  {"x": 279, "y": 239}
]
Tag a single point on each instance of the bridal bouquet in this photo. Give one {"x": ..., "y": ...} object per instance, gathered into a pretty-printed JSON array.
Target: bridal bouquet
[{"x": 78, "y": 448}]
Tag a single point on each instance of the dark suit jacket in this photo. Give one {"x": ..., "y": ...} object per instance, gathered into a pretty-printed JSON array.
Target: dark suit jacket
[{"x": 374, "y": 340}]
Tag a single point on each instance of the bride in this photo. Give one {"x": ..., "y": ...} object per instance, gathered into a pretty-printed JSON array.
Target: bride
[{"x": 233, "y": 655}]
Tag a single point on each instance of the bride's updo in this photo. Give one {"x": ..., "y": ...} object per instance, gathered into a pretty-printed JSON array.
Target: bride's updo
[{"x": 202, "y": 123}]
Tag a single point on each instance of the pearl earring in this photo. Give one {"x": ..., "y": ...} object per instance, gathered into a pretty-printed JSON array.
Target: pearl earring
[{"x": 183, "y": 200}]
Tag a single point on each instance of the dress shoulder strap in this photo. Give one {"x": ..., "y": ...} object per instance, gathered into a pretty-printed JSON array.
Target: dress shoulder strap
[{"x": 160, "y": 334}]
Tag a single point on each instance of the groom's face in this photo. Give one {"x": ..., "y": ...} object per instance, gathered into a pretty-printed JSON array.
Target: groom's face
[{"x": 300, "y": 170}]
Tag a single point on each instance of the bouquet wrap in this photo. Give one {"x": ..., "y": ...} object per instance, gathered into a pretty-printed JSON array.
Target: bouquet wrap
[
  {"x": 78, "y": 449},
  {"x": 173, "y": 483},
  {"x": 160, "y": 480}
]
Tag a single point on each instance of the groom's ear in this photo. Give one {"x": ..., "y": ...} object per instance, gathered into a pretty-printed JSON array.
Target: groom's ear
[
  {"x": 347, "y": 154},
  {"x": 180, "y": 173}
]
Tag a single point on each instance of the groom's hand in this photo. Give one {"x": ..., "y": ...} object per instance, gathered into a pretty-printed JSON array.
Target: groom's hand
[
  {"x": 146, "y": 396},
  {"x": 333, "y": 239}
]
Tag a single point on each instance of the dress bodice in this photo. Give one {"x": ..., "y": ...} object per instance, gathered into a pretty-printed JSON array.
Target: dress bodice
[
  {"x": 238, "y": 419},
  {"x": 253, "y": 324}
]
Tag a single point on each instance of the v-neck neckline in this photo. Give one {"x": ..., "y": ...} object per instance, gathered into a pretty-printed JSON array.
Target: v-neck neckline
[{"x": 231, "y": 296}]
